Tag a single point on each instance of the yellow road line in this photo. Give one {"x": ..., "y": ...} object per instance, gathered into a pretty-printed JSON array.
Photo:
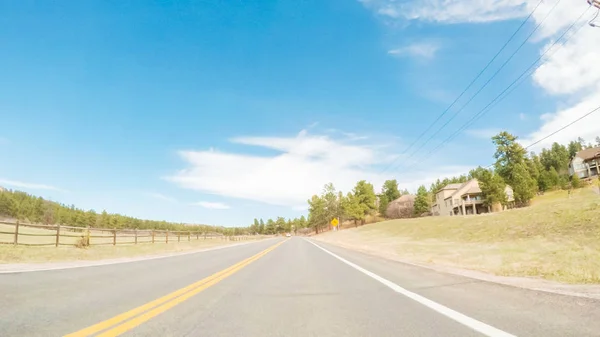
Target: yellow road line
[{"x": 160, "y": 305}]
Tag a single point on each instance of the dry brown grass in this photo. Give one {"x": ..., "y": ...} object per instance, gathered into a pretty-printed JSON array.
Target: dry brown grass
[
  {"x": 71, "y": 247},
  {"x": 71, "y": 236},
  {"x": 24, "y": 254},
  {"x": 557, "y": 238}
]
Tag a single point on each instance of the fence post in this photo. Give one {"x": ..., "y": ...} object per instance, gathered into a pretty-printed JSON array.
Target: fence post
[
  {"x": 204, "y": 235},
  {"x": 189, "y": 236},
  {"x": 178, "y": 236},
  {"x": 167, "y": 236},
  {"x": 153, "y": 236},
  {"x": 135, "y": 234},
  {"x": 197, "y": 235},
  {"x": 87, "y": 235},
  {"x": 16, "y": 240},
  {"x": 57, "y": 234},
  {"x": 114, "y": 236}
]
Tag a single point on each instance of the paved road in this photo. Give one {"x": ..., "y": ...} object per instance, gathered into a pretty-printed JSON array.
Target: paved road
[{"x": 296, "y": 289}]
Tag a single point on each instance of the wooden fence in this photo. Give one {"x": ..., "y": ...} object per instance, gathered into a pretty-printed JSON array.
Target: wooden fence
[{"x": 16, "y": 233}]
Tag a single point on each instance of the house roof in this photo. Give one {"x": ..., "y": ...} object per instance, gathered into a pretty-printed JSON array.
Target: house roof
[
  {"x": 450, "y": 187},
  {"x": 588, "y": 154},
  {"x": 405, "y": 198},
  {"x": 474, "y": 189}
]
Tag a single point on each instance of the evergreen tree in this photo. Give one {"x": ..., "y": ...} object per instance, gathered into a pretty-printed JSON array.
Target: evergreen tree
[
  {"x": 523, "y": 185},
  {"x": 317, "y": 213},
  {"x": 389, "y": 193},
  {"x": 421, "y": 201},
  {"x": 576, "y": 182},
  {"x": 492, "y": 187}
]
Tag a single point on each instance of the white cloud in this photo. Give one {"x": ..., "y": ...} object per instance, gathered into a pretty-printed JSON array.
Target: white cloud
[
  {"x": 588, "y": 128},
  {"x": 305, "y": 164},
  {"x": 483, "y": 133},
  {"x": 32, "y": 186},
  {"x": 419, "y": 50},
  {"x": 522, "y": 116},
  {"x": 162, "y": 197},
  {"x": 570, "y": 71},
  {"x": 574, "y": 68},
  {"x": 212, "y": 205},
  {"x": 451, "y": 11}
]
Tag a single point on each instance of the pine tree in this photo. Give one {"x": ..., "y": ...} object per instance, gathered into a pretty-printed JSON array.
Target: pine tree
[
  {"x": 576, "y": 182},
  {"x": 389, "y": 193},
  {"x": 421, "y": 201},
  {"x": 492, "y": 187},
  {"x": 523, "y": 185}
]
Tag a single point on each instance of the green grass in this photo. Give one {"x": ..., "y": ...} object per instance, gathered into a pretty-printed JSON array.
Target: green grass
[{"x": 557, "y": 238}]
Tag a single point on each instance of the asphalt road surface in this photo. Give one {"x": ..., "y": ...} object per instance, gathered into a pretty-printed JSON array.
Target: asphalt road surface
[{"x": 280, "y": 287}]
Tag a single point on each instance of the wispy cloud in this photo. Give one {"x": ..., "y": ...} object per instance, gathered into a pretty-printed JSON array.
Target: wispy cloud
[
  {"x": 303, "y": 164},
  {"x": 161, "y": 196},
  {"x": 419, "y": 50},
  {"x": 483, "y": 133},
  {"x": 212, "y": 205},
  {"x": 31, "y": 186},
  {"x": 450, "y": 11},
  {"x": 347, "y": 135},
  {"x": 522, "y": 116},
  {"x": 4, "y": 141}
]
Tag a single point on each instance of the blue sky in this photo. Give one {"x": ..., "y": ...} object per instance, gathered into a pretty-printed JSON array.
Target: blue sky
[{"x": 220, "y": 111}]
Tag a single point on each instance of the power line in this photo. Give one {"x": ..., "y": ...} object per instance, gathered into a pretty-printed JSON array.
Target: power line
[
  {"x": 488, "y": 81},
  {"x": 564, "y": 127},
  {"x": 555, "y": 132},
  {"x": 472, "y": 82},
  {"x": 511, "y": 87}
]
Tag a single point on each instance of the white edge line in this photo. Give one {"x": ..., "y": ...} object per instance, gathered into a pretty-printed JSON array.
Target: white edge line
[
  {"x": 108, "y": 263},
  {"x": 472, "y": 323}
]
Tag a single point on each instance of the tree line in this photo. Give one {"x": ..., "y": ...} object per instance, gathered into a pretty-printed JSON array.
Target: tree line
[
  {"x": 278, "y": 226},
  {"x": 26, "y": 207},
  {"x": 527, "y": 174}
]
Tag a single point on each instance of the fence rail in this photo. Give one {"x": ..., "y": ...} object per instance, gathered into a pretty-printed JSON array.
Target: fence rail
[{"x": 25, "y": 234}]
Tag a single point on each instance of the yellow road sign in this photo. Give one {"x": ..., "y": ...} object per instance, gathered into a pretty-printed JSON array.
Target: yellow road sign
[{"x": 334, "y": 222}]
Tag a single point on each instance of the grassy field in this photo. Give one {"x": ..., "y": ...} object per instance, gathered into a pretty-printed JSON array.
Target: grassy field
[
  {"x": 32, "y": 235},
  {"x": 24, "y": 254},
  {"x": 101, "y": 248},
  {"x": 557, "y": 238}
]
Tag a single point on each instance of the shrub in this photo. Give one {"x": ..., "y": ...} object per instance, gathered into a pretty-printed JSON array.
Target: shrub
[{"x": 82, "y": 242}]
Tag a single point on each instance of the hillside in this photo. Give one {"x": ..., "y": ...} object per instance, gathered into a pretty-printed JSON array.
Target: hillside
[{"x": 557, "y": 238}]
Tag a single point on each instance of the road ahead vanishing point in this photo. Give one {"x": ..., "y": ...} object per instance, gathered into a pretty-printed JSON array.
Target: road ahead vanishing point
[{"x": 280, "y": 287}]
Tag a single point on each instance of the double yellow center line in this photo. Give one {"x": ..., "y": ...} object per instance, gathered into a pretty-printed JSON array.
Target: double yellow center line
[{"x": 128, "y": 320}]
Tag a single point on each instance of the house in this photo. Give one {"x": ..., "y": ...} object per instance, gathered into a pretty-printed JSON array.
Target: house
[
  {"x": 403, "y": 207},
  {"x": 463, "y": 199},
  {"x": 586, "y": 163}
]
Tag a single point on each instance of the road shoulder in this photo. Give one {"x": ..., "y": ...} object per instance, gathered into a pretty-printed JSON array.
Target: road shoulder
[{"x": 585, "y": 291}]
